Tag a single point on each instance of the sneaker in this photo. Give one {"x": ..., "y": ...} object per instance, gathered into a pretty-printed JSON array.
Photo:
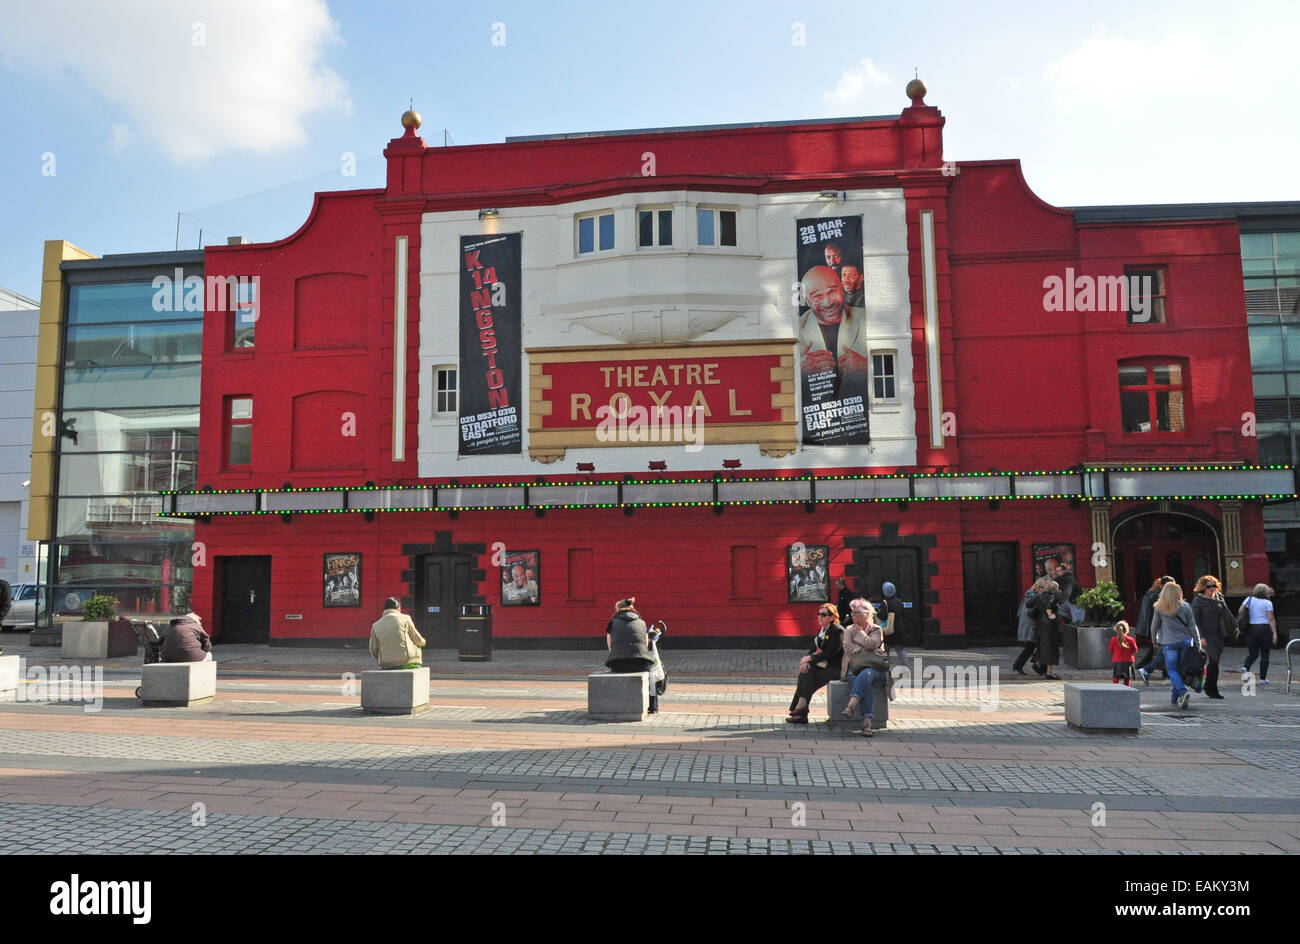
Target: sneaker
[
  {"x": 1146, "y": 676},
  {"x": 1184, "y": 700},
  {"x": 1245, "y": 676},
  {"x": 1263, "y": 681}
]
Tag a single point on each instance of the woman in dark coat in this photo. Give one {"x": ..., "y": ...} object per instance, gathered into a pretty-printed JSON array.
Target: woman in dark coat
[
  {"x": 1042, "y": 607},
  {"x": 1146, "y": 610},
  {"x": 1216, "y": 622},
  {"x": 629, "y": 645},
  {"x": 821, "y": 665}
]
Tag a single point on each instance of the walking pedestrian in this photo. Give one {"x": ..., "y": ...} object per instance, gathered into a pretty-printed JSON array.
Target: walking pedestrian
[
  {"x": 1261, "y": 634},
  {"x": 890, "y": 616},
  {"x": 1173, "y": 628},
  {"x": 844, "y": 599},
  {"x": 1143, "y": 632},
  {"x": 1216, "y": 623},
  {"x": 1122, "y": 652},
  {"x": 1043, "y": 607},
  {"x": 1027, "y": 629}
]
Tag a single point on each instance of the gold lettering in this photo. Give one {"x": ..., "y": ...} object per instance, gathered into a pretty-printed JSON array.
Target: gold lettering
[
  {"x": 676, "y": 369},
  {"x": 639, "y": 373},
  {"x": 693, "y": 374},
  {"x": 579, "y": 403},
  {"x": 659, "y": 403},
  {"x": 620, "y": 413},
  {"x": 735, "y": 410},
  {"x": 660, "y": 379},
  {"x": 700, "y": 402},
  {"x": 607, "y": 371},
  {"x": 625, "y": 376},
  {"x": 708, "y": 374}
]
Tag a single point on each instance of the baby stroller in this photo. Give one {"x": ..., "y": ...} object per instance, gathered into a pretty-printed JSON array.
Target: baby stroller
[
  {"x": 152, "y": 641},
  {"x": 657, "y": 673}
]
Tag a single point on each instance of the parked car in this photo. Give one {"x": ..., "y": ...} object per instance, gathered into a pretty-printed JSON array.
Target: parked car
[{"x": 23, "y": 613}]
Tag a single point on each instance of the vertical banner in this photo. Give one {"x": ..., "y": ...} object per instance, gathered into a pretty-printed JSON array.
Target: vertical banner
[
  {"x": 490, "y": 340},
  {"x": 834, "y": 355}
]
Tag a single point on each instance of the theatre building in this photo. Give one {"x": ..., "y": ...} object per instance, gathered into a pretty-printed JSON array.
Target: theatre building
[{"x": 715, "y": 368}]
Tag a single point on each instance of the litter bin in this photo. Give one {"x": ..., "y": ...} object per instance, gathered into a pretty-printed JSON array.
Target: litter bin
[{"x": 474, "y": 632}]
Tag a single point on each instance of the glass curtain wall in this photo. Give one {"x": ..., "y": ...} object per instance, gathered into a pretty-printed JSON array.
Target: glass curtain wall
[{"x": 128, "y": 428}]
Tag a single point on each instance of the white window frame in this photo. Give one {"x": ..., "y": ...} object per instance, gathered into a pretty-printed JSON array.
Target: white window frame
[
  {"x": 454, "y": 412},
  {"x": 717, "y": 212},
  {"x": 595, "y": 217},
  {"x": 655, "y": 209},
  {"x": 892, "y": 354}
]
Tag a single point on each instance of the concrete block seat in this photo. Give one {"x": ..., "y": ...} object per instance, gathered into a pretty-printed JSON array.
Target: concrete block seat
[
  {"x": 618, "y": 696},
  {"x": 1098, "y": 706},
  {"x": 8, "y": 674},
  {"x": 837, "y": 699},
  {"x": 395, "y": 691},
  {"x": 85, "y": 641},
  {"x": 177, "y": 684}
]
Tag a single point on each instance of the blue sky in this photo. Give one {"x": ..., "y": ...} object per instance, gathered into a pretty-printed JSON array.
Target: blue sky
[{"x": 233, "y": 112}]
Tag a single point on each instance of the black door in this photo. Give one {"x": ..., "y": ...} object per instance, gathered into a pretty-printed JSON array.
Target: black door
[
  {"x": 446, "y": 586},
  {"x": 245, "y": 600},
  {"x": 992, "y": 593},
  {"x": 901, "y": 566}
]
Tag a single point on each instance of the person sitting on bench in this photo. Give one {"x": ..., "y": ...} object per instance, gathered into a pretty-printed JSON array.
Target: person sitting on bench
[
  {"x": 395, "y": 643},
  {"x": 185, "y": 640}
]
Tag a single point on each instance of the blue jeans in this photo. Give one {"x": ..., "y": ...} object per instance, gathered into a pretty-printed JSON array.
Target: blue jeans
[
  {"x": 1171, "y": 667},
  {"x": 864, "y": 689}
]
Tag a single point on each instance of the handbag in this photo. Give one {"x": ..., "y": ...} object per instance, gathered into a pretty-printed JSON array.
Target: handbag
[
  {"x": 868, "y": 659},
  {"x": 1243, "y": 617},
  {"x": 1191, "y": 661}
]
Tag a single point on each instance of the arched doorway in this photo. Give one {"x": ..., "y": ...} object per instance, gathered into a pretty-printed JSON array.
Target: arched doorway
[{"x": 1152, "y": 544}]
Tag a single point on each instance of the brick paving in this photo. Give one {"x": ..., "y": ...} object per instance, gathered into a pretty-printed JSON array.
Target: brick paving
[{"x": 506, "y": 761}]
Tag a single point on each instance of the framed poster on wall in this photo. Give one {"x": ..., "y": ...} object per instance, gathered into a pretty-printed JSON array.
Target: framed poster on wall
[
  {"x": 1060, "y": 553},
  {"x": 807, "y": 569},
  {"x": 342, "y": 579},
  {"x": 521, "y": 577}
]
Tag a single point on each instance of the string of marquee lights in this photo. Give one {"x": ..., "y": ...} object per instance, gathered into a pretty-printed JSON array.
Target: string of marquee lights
[{"x": 720, "y": 479}]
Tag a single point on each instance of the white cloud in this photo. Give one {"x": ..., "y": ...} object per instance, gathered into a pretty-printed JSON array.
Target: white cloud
[
  {"x": 1110, "y": 68},
  {"x": 848, "y": 91},
  {"x": 195, "y": 78},
  {"x": 119, "y": 138}
]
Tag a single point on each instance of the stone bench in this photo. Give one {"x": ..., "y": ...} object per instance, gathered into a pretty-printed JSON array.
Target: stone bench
[
  {"x": 85, "y": 641},
  {"x": 177, "y": 684},
  {"x": 837, "y": 699},
  {"x": 395, "y": 691},
  {"x": 618, "y": 696},
  {"x": 1098, "y": 706},
  {"x": 8, "y": 674}
]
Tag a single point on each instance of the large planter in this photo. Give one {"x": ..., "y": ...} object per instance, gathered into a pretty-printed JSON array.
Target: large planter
[
  {"x": 1086, "y": 647},
  {"x": 85, "y": 640}
]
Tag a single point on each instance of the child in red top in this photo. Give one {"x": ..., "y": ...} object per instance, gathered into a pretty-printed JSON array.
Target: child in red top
[{"x": 1123, "y": 651}]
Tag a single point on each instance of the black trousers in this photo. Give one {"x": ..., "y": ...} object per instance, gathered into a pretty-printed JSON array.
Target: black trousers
[
  {"x": 1259, "y": 643},
  {"x": 1212, "y": 671},
  {"x": 812, "y": 680},
  {"x": 1025, "y": 653}
]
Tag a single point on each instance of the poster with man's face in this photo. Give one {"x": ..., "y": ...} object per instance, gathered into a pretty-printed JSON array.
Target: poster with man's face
[
  {"x": 807, "y": 571},
  {"x": 1048, "y": 558},
  {"x": 834, "y": 354},
  {"x": 520, "y": 578}
]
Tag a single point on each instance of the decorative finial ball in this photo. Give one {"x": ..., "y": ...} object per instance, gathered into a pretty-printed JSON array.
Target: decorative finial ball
[
  {"x": 411, "y": 119},
  {"x": 916, "y": 89}
]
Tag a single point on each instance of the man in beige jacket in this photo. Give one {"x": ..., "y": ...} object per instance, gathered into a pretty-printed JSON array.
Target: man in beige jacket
[{"x": 394, "y": 641}]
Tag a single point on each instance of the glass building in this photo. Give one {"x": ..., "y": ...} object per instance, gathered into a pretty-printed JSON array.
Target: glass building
[{"x": 125, "y": 427}]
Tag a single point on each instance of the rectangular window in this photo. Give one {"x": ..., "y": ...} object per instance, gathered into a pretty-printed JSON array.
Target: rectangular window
[
  {"x": 595, "y": 232},
  {"x": 1152, "y": 398},
  {"x": 1146, "y": 295},
  {"x": 716, "y": 227},
  {"x": 239, "y": 431},
  {"x": 582, "y": 585},
  {"x": 244, "y": 316},
  {"x": 744, "y": 573},
  {"x": 446, "y": 390},
  {"x": 882, "y": 376},
  {"x": 654, "y": 227}
]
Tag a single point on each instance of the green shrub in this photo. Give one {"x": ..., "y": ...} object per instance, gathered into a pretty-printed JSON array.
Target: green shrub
[
  {"x": 99, "y": 607},
  {"x": 1101, "y": 602}
]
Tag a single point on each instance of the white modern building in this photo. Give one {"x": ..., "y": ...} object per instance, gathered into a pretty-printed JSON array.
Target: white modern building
[{"x": 19, "y": 317}]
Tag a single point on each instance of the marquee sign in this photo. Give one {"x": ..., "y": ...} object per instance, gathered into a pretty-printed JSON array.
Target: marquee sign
[{"x": 687, "y": 394}]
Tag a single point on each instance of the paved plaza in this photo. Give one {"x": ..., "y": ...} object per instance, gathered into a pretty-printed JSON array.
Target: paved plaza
[{"x": 506, "y": 761}]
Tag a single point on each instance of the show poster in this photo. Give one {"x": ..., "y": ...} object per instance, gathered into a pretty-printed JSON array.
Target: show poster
[
  {"x": 1061, "y": 553},
  {"x": 342, "y": 579},
  {"x": 834, "y": 353},
  {"x": 520, "y": 576},
  {"x": 490, "y": 281},
  {"x": 806, "y": 569}
]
